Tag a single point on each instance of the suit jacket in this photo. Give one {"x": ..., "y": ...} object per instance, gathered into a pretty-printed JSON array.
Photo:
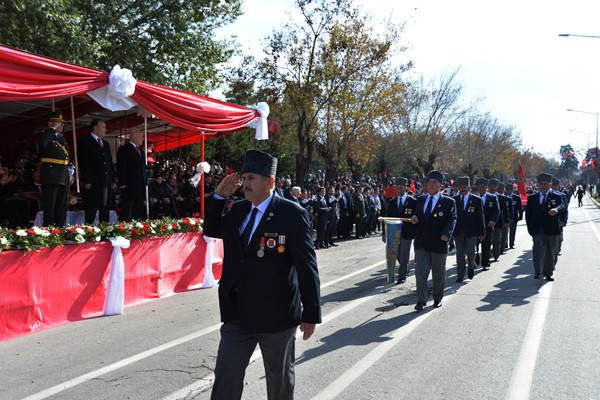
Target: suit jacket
[
  {"x": 470, "y": 220},
  {"x": 504, "y": 211},
  {"x": 359, "y": 205},
  {"x": 491, "y": 209},
  {"x": 537, "y": 218},
  {"x": 95, "y": 167},
  {"x": 51, "y": 146},
  {"x": 334, "y": 213},
  {"x": 407, "y": 210},
  {"x": 441, "y": 222},
  {"x": 274, "y": 292},
  {"x": 131, "y": 168},
  {"x": 518, "y": 207}
]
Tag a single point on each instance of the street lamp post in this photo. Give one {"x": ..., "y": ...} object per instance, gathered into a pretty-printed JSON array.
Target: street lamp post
[{"x": 593, "y": 113}]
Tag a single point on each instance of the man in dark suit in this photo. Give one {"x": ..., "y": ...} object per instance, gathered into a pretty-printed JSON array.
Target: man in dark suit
[
  {"x": 270, "y": 282},
  {"x": 543, "y": 224},
  {"x": 54, "y": 173},
  {"x": 344, "y": 207},
  {"x": 333, "y": 215},
  {"x": 502, "y": 218},
  {"x": 131, "y": 169},
  {"x": 322, "y": 217},
  {"x": 359, "y": 213},
  {"x": 95, "y": 169},
  {"x": 508, "y": 217},
  {"x": 491, "y": 212},
  {"x": 470, "y": 228},
  {"x": 517, "y": 213},
  {"x": 435, "y": 217},
  {"x": 402, "y": 206}
]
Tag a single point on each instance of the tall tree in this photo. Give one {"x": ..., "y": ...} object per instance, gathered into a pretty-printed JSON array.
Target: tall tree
[
  {"x": 168, "y": 42},
  {"x": 568, "y": 161}
]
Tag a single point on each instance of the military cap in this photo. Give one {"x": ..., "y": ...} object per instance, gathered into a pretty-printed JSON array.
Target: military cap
[
  {"x": 493, "y": 183},
  {"x": 509, "y": 186},
  {"x": 463, "y": 181},
  {"x": 259, "y": 163},
  {"x": 56, "y": 116},
  {"x": 435, "y": 174},
  {"x": 481, "y": 181},
  {"x": 544, "y": 177},
  {"x": 555, "y": 182},
  {"x": 401, "y": 182}
]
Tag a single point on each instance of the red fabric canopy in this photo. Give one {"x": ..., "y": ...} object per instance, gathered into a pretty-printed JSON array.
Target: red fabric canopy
[{"x": 26, "y": 76}]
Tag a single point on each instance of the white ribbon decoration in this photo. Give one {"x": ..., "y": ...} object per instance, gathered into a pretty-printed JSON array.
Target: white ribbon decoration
[
  {"x": 209, "y": 278},
  {"x": 116, "y": 95},
  {"x": 201, "y": 168},
  {"x": 260, "y": 123},
  {"x": 115, "y": 295}
]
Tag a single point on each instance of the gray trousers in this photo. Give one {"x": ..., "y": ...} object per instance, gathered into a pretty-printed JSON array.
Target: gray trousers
[
  {"x": 504, "y": 243},
  {"x": 496, "y": 242},
  {"x": 513, "y": 233},
  {"x": 465, "y": 248},
  {"x": 436, "y": 263},
  {"x": 545, "y": 253},
  {"x": 403, "y": 256},
  {"x": 236, "y": 348}
]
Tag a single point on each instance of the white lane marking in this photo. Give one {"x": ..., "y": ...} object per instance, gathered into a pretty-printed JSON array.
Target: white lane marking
[
  {"x": 206, "y": 382},
  {"x": 119, "y": 364},
  {"x": 145, "y": 354},
  {"x": 522, "y": 376},
  {"x": 356, "y": 370}
]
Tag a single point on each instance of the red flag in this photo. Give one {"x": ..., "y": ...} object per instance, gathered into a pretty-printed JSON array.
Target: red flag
[
  {"x": 412, "y": 187},
  {"x": 229, "y": 170},
  {"x": 521, "y": 179},
  {"x": 592, "y": 163},
  {"x": 584, "y": 164}
]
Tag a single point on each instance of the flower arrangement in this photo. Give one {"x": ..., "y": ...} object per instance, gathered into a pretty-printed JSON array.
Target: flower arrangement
[{"x": 35, "y": 237}]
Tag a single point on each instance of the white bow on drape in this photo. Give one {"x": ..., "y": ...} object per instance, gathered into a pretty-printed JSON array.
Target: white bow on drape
[{"x": 115, "y": 296}]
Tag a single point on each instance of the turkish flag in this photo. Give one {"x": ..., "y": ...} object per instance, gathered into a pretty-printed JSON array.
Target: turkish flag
[
  {"x": 521, "y": 179},
  {"x": 584, "y": 164},
  {"x": 412, "y": 187}
]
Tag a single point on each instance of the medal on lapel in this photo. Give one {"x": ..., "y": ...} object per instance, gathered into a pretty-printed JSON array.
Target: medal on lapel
[
  {"x": 281, "y": 247},
  {"x": 261, "y": 251}
]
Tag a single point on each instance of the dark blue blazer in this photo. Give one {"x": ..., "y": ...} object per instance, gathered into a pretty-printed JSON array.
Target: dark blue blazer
[
  {"x": 441, "y": 222},
  {"x": 274, "y": 292},
  {"x": 491, "y": 209},
  {"x": 407, "y": 210},
  {"x": 470, "y": 220},
  {"x": 537, "y": 217}
]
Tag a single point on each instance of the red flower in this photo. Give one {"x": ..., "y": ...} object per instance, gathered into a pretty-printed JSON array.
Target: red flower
[
  {"x": 121, "y": 227},
  {"x": 134, "y": 232},
  {"x": 90, "y": 230},
  {"x": 164, "y": 228},
  {"x": 193, "y": 227},
  {"x": 55, "y": 231},
  {"x": 30, "y": 231},
  {"x": 174, "y": 225}
]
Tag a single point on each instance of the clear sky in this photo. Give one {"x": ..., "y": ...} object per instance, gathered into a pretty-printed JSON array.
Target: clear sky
[{"x": 508, "y": 52}]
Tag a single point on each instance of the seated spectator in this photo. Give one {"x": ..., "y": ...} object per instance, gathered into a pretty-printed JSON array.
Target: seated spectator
[
  {"x": 157, "y": 196},
  {"x": 13, "y": 207},
  {"x": 173, "y": 200}
]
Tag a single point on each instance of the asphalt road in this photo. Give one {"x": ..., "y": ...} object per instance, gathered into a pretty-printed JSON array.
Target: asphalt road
[{"x": 503, "y": 335}]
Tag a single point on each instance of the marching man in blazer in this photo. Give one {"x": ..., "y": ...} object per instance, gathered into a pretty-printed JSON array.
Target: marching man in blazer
[
  {"x": 435, "y": 217},
  {"x": 270, "y": 282},
  {"x": 544, "y": 209},
  {"x": 491, "y": 212},
  {"x": 470, "y": 228}
]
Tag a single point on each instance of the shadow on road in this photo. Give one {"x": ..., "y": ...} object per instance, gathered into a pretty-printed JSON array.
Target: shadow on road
[{"x": 514, "y": 289}]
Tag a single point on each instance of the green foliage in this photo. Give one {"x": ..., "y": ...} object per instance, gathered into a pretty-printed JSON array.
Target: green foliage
[{"x": 169, "y": 42}]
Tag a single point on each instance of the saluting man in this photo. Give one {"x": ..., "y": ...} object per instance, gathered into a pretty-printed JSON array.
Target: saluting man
[
  {"x": 270, "y": 281},
  {"x": 54, "y": 174}
]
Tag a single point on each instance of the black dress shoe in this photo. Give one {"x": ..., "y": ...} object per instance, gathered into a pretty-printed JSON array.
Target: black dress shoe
[
  {"x": 437, "y": 304},
  {"x": 549, "y": 278},
  {"x": 458, "y": 280},
  {"x": 401, "y": 281},
  {"x": 420, "y": 306},
  {"x": 471, "y": 273},
  {"x": 485, "y": 268},
  {"x": 333, "y": 245},
  {"x": 536, "y": 276}
]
